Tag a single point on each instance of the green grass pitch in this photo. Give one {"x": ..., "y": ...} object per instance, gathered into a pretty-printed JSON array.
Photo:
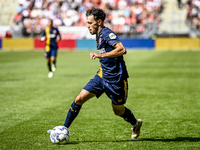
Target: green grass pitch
[{"x": 164, "y": 91}]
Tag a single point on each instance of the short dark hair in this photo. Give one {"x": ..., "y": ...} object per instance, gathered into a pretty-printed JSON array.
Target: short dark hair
[{"x": 97, "y": 13}]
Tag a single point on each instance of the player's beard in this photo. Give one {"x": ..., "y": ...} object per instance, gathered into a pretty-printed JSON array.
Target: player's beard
[{"x": 94, "y": 29}]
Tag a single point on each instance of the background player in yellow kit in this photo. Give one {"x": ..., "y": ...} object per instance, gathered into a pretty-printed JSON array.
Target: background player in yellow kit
[{"x": 52, "y": 37}]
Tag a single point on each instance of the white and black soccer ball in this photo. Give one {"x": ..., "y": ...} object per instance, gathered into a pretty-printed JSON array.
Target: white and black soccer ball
[{"x": 59, "y": 135}]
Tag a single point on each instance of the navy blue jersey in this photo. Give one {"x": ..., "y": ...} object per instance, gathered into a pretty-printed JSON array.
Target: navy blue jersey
[
  {"x": 51, "y": 35},
  {"x": 113, "y": 69}
]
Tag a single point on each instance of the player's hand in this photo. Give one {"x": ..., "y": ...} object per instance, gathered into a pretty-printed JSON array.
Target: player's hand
[
  {"x": 42, "y": 39},
  {"x": 57, "y": 40},
  {"x": 94, "y": 55}
]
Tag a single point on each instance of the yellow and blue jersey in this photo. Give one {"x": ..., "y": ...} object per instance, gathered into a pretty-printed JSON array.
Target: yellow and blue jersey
[
  {"x": 112, "y": 75},
  {"x": 51, "y": 36},
  {"x": 113, "y": 69}
]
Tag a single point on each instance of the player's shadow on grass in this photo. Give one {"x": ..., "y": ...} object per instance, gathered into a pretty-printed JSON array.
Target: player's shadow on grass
[{"x": 177, "y": 139}]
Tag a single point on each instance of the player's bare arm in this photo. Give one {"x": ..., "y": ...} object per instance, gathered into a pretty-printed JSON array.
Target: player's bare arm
[
  {"x": 118, "y": 51},
  {"x": 58, "y": 38}
]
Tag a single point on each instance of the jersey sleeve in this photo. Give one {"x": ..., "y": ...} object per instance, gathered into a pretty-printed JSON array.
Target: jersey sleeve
[
  {"x": 43, "y": 33},
  {"x": 57, "y": 36},
  {"x": 111, "y": 38},
  {"x": 58, "y": 33}
]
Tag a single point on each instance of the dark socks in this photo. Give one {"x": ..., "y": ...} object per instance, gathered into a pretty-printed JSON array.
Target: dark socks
[
  {"x": 74, "y": 110},
  {"x": 129, "y": 117},
  {"x": 72, "y": 114},
  {"x": 49, "y": 66}
]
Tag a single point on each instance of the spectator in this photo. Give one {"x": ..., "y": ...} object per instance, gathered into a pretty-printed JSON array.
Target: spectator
[
  {"x": 179, "y": 4},
  {"x": 131, "y": 16},
  {"x": 17, "y": 18},
  {"x": 8, "y": 34},
  {"x": 193, "y": 14}
]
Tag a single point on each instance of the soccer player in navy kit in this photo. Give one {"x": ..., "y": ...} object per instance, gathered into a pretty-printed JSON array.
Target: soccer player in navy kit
[
  {"x": 52, "y": 37},
  {"x": 111, "y": 78}
]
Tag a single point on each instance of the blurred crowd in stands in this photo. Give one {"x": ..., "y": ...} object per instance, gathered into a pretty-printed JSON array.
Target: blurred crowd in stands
[
  {"x": 123, "y": 16},
  {"x": 193, "y": 13}
]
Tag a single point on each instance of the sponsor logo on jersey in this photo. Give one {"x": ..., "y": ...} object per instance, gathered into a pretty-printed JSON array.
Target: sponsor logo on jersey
[
  {"x": 112, "y": 36},
  {"x": 54, "y": 31},
  {"x": 51, "y": 36},
  {"x": 101, "y": 51}
]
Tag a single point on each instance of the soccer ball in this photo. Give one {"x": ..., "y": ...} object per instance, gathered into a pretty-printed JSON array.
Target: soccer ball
[{"x": 59, "y": 135}]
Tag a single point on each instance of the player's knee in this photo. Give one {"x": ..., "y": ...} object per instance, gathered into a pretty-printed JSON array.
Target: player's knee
[
  {"x": 83, "y": 96},
  {"x": 53, "y": 59},
  {"x": 118, "y": 109},
  {"x": 79, "y": 99},
  {"x": 118, "y": 112}
]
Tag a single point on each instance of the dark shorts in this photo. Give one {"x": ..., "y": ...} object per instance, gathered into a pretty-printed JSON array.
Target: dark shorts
[
  {"x": 117, "y": 92},
  {"x": 52, "y": 52}
]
